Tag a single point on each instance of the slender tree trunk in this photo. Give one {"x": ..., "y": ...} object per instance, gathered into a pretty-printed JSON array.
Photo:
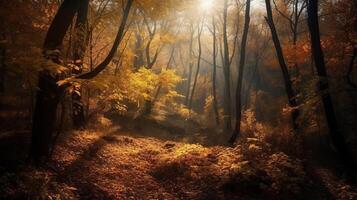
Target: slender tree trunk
[
  {"x": 227, "y": 74},
  {"x": 236, "y": 131},
  {"x": 190, "y": 70},
  {"x": 335, "y": 132},
  {"x": 80, "y": 44},
  {"x": 198, "y": 65},
  {"x": 214, "y": 71},
  {"x": 49, "y": 93},
  {"x": 284, "y": 68}
]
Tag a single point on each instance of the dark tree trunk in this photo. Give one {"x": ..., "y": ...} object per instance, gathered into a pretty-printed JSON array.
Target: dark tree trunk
[
  {"x": 49, "y": 93},
  {"x": 227, "y": 74},
  {"x": 45, "y": 113},
  {"x": 236, "y": 131},
  {"x": 284, "y": 68},
  {"x": 214, "y": 71},
  {"x": 80, "y": 44},
  {"x": 60, "y": 24},
  {"x": 198, "y": 65},
  {"x": 337, "y": 136}
]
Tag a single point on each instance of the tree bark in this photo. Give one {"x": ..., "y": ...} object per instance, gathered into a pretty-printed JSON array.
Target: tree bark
[
  {"x": 226, "y": 68},
  {"x": 284, "y": 68},
  {"x": 236, "y": 131},
  {"x": 335, "y": 132}
]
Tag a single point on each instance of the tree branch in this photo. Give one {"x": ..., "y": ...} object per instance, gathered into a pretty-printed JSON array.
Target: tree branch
[{"x": 112, "y": 52}]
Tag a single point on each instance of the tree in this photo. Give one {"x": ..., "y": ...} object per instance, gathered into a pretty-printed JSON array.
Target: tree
[
  {"x": 240, "y": 74},
  {"x": 199, "y": 33},
  {"x": 49, "y": 93},
  {"x": 214, "y": 70},
  {"x": 150, "y": 61},
  {"x": 293, "y": 18},
  {"x": 284, "y": 68},
  {"x": 227, "y": 74},
  {"x": 190, "y": 65},
  {"x": 337, "y": 136}
]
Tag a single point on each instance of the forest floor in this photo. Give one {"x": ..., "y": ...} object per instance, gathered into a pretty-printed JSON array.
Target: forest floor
[{"x": 117, "y": 162}]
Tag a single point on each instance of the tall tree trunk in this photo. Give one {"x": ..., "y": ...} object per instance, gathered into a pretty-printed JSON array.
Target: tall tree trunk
[
  {"x": 190, "y": 69},
  {"x": 284, "y": 68},
  {"x": 200, "y": 28},
  {"x": 80, "y": 44},
  {"x": 337, "y": 136},
  {"x": 49, "y": 93},
  {"x": 214, "y": 71},
  {"x": 227, "y": 74},
  {"x": 236, "y": 131}
]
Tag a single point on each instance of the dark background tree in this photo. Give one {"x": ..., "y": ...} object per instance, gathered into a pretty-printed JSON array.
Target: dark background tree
[
  {"x": 336, "y": 134},
  {"x": 240, "y": 74},
  {"x": 284, "y": 68}
]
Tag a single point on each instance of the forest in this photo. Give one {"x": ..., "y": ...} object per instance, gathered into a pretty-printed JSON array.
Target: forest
[{"x": 178, "y": 99}]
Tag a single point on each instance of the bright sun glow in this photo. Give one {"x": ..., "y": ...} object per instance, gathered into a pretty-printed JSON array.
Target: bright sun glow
[{"x": 206, "y": 4}]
